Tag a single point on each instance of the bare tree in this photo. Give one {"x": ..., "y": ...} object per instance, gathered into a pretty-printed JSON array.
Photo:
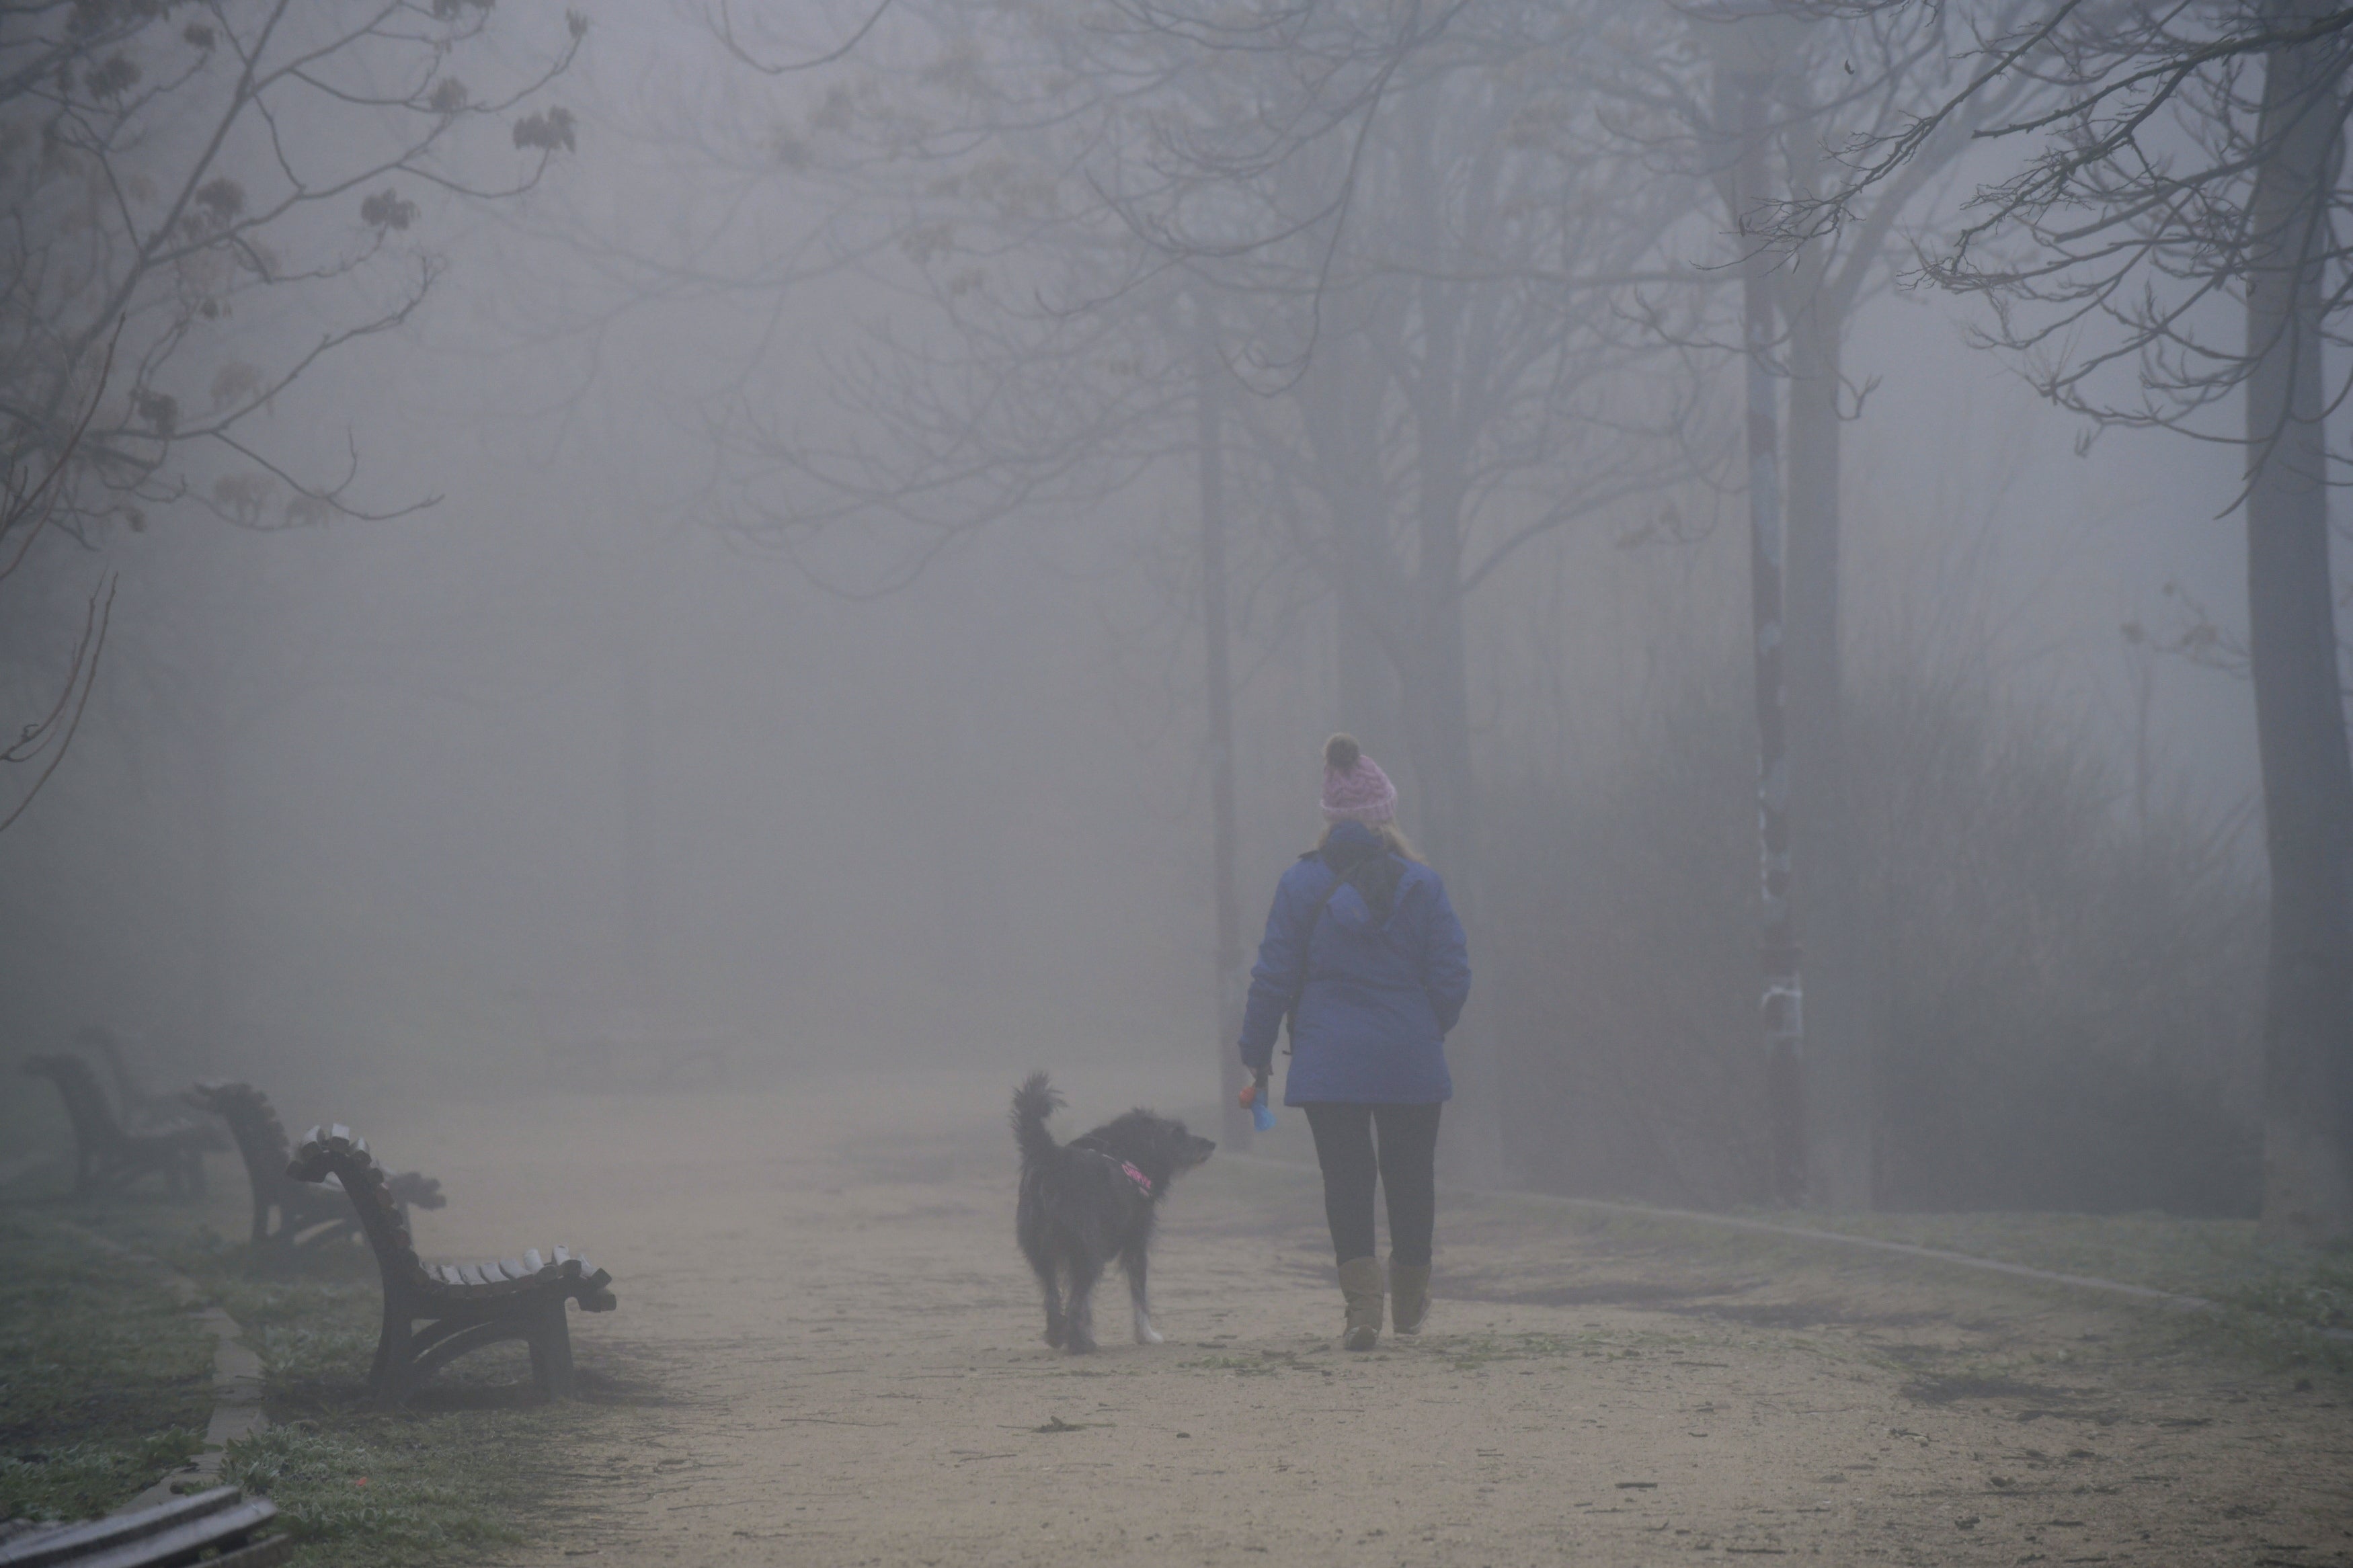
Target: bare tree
[
  {"x": 1058, "y": 370},
  {"x": 178, "y": 188},
  {"x": 1210, "y": 394},
  {"x": 191, "y": 189},
  {"x": 27, "y": 501},
  {"x": 1749, "y": 61},
  {"x": 1419, "y": 237},
  {"x": 2188, "y": 171},
  {"x": 1420, "y": 298},
  {"x": 1760, "y": 98},
  {"x": 1308, "y": 199}
]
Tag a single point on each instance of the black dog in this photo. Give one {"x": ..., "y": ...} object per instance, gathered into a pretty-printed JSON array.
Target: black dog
[{"x": 1092, "y": 1200}]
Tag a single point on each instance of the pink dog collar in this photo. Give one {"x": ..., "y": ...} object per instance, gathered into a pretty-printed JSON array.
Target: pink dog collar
[{"x": 1143, "y": 1183}]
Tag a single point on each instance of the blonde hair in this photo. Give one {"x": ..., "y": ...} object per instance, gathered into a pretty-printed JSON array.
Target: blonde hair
[{"x": 1391, "y": 835}]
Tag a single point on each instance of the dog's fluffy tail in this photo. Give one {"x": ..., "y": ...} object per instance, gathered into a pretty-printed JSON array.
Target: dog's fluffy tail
[{"x": 1033, "y": 1102}]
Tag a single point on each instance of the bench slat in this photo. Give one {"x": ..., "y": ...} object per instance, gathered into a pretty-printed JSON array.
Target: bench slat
[
  {"x": 204, "y": 1511},
  {"x": 267, "y": 1552},
  {"x": 229, "y": 1524}
]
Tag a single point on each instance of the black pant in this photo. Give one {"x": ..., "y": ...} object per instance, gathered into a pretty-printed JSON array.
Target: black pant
[{"x": 1406, "y": 1164}]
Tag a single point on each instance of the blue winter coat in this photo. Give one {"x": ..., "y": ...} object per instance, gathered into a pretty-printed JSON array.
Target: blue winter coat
[{"x": 1377, "y": 997}]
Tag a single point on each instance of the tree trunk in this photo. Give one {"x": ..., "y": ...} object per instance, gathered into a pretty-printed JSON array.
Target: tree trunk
[
  {"x": 1235, "y": 1123},
  {"x": 2292, "y": 639},
  {"x": 641, "y": 952},
  {"x": 1365, "y": 696},
  {"x": 216, "y": 911},
  {"x": 1840, "y": 1092},
  {"x": 1340, "y": 403},
  {"x": 1437, "y": 720},
  {"x": 1781, "y": 1003},
  {"x": 1434, "y": 687}
]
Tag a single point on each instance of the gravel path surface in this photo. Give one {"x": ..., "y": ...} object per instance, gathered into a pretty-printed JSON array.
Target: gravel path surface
[{"x": 827, "y": 1351}]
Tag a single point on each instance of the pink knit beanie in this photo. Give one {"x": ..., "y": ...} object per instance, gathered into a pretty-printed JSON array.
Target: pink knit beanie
[{"x": 1354, "y": 788}]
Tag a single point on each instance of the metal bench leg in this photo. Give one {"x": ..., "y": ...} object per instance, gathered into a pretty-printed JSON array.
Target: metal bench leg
[
  {"x": 551, "y": 1352},
  {"x": 389, "y": 1377}
]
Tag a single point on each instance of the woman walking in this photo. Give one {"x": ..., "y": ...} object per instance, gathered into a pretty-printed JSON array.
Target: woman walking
[{"x": 1364, "y": 954}]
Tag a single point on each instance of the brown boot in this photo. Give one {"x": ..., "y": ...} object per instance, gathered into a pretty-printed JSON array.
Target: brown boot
[
  {"x": 1408, "y": 1296},
  {"x": 1360, "y": 1282}
]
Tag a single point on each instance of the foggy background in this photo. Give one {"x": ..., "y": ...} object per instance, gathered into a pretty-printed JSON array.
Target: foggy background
[{"x": 431, "y": 803}]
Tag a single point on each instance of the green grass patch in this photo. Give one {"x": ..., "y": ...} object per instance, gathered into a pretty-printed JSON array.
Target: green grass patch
[
  {"x": 463, "y": 1470},
  {"x": 2316, "y": 1295},
  {"x": 2296, "y": 1318},
  {"x": 83, "y": 1480},
  {"x": 398, "y": 1489},
  {"x": 2282, "y": 1305},
  {"x": 105, "y": 1387},
  {"x": 105, "y": 1384},
  {"x": 2209, "y": 1257}
]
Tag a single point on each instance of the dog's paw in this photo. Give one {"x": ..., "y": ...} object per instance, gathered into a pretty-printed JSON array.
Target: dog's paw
[
  {"x": 1081, "y": 1345},
  {"x": 1146, "y": 1335},
  {"x": 1054, "y": 1338}
]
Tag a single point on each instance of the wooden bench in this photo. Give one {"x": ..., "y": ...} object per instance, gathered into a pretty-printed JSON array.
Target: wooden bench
[
  {"x": 310, "y": 1214},
  {"x": 222, "y": 1521},
  {"x": 461, "y": 1307},
  {"x": 106, "y": 1156}
]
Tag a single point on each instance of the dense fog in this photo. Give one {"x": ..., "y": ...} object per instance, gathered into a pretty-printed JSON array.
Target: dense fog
[{"x": 800, "y": 662}]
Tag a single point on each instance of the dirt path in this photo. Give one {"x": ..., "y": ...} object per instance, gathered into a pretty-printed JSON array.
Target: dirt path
[{"x": 835, "y": 1350}]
